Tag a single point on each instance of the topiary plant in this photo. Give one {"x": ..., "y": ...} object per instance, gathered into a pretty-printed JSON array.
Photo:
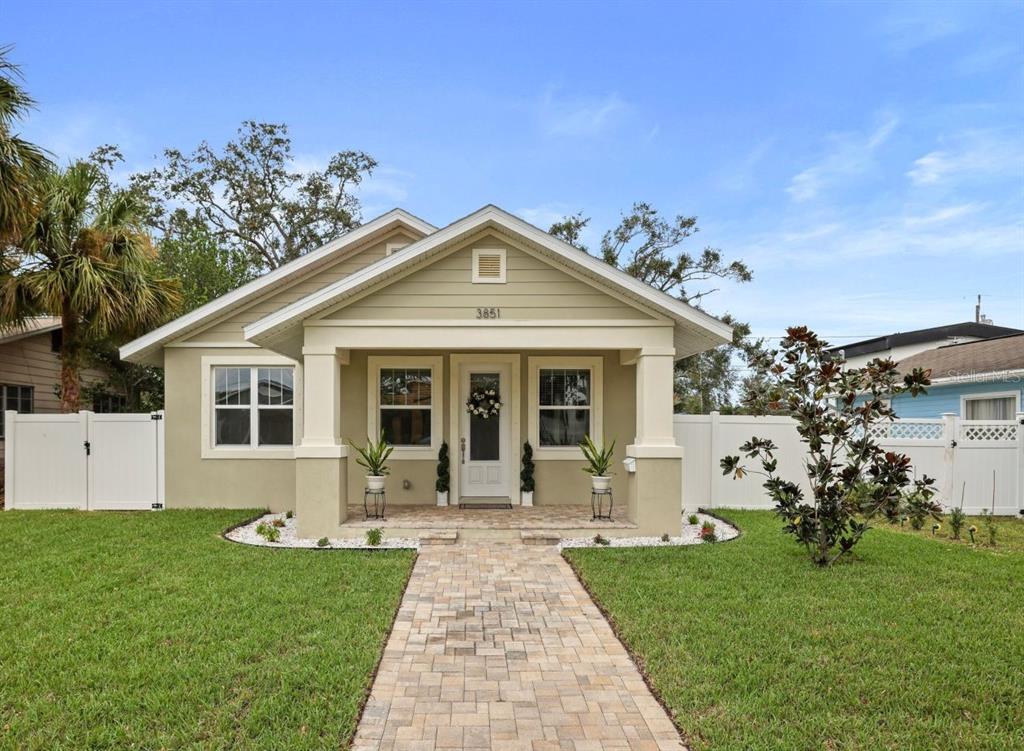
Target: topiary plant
[
  {"x": 526, "y": 483},
  {"x": 443, "y": 482},
  {"x": 851, "y": 478}
]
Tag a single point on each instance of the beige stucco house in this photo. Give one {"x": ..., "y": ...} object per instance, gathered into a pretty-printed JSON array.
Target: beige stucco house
[{"x": 389, "y": 327}]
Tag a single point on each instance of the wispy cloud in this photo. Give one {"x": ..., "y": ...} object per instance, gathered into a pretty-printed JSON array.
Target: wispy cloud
[
  {"x": 915, "y": 24},
  {"x": 970, "y": 155},
  {"x": 739, "y": 176},
  {"x": 988, "y": 58},
  {"x": 580, "y": 116},
  {"x": 849, "y": 154}
]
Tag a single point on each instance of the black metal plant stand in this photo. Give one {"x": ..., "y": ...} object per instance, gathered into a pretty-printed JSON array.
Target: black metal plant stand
[
  {"x": 597, "y": 498},
  {"x": 379, "y": 501}
]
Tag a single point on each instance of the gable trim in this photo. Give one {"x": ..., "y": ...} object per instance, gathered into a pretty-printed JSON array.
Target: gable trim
[
  {"x": 138, "y": 349},
  {"x": 267, "y": 327}
]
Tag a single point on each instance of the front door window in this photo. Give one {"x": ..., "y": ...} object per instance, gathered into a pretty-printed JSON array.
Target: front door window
[{"x": 485, "y": 428}]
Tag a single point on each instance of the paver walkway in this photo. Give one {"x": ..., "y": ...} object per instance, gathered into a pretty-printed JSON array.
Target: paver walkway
[{"x": 497, "y": 645}]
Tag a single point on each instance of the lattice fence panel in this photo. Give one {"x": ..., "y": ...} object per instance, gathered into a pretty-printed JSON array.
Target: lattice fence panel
[
  {"x": 988, "y": 432},
  {"x": 906, "y": 430}
]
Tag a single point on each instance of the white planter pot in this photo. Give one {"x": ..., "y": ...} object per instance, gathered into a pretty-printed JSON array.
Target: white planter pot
[
  {"x": 600, "y": 482},
  {"x": 526, "y": 498},
  {"x": 375, "y": 482},
  {"x": 442, "y": 497}
]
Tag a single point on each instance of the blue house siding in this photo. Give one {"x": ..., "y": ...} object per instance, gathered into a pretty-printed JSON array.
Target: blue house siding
[{"x": 941, "y": 399}]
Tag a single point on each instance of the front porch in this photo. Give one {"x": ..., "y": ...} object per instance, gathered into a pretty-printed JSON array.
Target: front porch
[{"x": 519, "y": 522}]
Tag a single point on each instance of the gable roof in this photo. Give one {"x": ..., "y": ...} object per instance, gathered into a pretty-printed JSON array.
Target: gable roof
[
  {"x": 999, "y": 355},
  {"x": 149, "y": 345},
  {"x": 29, "y": 327},
  {"x": 704, "y": 330},
  {"x": 921, "y": 336}
]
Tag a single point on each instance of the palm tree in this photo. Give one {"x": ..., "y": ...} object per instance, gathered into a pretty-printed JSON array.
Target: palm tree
[
  {"x": 87, "y": 258},
  {"x": 20, "y": 161}
]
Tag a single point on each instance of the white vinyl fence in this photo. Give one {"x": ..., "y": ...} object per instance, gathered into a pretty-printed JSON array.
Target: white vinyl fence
[
  {"x": 979, "y": 459},
  {"x": 84, "y": 461}
]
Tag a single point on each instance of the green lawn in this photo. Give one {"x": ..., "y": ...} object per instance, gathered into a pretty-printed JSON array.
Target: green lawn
[
  {"x": 148, "y": 630},
  {"x": 913, "y": 644}
]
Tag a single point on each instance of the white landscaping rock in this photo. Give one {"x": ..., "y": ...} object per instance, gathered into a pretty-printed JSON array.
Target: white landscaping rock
[
  {"x": 690, "y": 536},
  {"x": 289, "y": 538}
]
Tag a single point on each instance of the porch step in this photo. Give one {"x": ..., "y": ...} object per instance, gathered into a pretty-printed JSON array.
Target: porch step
[
  {"x": 539, "y": 537},
  {"x": 439, "y": 536}
]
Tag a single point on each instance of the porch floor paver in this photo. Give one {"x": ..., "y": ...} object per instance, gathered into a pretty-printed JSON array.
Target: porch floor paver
[
  {"x": 561, "y": 516},
  {"x": 498, "y": 646}
]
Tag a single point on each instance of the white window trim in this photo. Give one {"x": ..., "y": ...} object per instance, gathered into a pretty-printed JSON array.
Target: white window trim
[
  {"x": 502, "y": 253},
  {"x": 964, "y": 398},
  {"x": 209, "y": 450},
  {"x": 596, "y": 366},
  {"x": 391, "y": 248},
  {"x": 436, "y": 365}
]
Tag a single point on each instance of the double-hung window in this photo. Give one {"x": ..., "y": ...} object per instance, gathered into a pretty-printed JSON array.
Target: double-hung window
[
  {"x": 405, "y": 403},
  {"x": 253, "y": 417},
  {"x": 17, "y": 398},
  {"x": 565, "y": 404}
]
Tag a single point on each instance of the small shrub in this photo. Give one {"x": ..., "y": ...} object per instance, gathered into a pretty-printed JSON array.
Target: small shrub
[
  {"x": 444, "y": 477},
  {"x": 956, "y": 521},
  {"x": 268, "y": 532},
  {"x": 526, "y": 481},
  {"x": 289, "y": 514},
  {"x": 323, "y": 542},
  {"x": 600, "y": 539},
  {"x": 693, "y": 519},
  {"x": 917, "y": 505},
  {"x": 707, "y": 532},
  {"x": 374, "y": 536},
  {"x": 665, "y": 537},
  {"x": 278, "y": 523},
  {"x": 989, "y": 520}
]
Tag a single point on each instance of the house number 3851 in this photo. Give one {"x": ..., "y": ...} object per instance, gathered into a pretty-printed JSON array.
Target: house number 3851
[{"x": 488, "y": 313}]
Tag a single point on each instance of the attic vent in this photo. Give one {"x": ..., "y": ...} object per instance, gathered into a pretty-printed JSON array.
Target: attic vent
[
  {"x": 488, "y": 265},
  {"x": 394, "y": 248}
]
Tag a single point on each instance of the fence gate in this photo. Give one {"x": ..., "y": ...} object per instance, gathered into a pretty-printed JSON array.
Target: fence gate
[{"x": 84, "y": 461}]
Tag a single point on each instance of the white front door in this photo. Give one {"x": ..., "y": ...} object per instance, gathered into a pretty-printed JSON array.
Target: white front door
[{"x": 485, "y": 451}]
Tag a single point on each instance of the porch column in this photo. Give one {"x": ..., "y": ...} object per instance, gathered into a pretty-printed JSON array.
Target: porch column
[
  {"x": 321, "y": 464},
  {"x": 655, "y": 488}
]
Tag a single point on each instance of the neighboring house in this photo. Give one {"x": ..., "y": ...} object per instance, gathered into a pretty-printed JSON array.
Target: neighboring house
[
  {"x": 30, "y": 369},
  {"x": 978, "y": 380},
  {"x": 901, "y": 345},
  {"x": 391, "y": 327}
]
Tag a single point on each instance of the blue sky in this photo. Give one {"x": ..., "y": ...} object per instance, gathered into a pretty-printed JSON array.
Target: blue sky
[{"x": 867, "y": 160}]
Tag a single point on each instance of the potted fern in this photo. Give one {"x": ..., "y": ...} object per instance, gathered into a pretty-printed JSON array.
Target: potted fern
[
  {"x": 373, "y": 457},
  {"x": 526, "y": 483},
  {"x": 443, "y": 482},
  {"x": 599, "y": 463}
]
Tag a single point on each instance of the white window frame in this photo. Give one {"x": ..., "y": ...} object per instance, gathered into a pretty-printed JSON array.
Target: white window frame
[
  {"x": 209, "y": 448},
  {"x": 596, "y": 366},
  {"x": 503, "y": 265},
  {"x": 391, "y": 248},
  {"x": 435, "y": 363},
  {"x": 964, "y": 398}
]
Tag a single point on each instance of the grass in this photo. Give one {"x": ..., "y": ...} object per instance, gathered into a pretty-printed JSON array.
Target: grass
[
  {"x": 1009, "y": 533},
  {"x": 147, "y": 630},
  {"x": 911, "y": 644}
]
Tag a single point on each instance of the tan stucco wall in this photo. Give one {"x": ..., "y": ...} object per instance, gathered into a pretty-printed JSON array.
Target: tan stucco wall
[
  {"x": 558, "y": 481},
  {"x": 237, "y": 483},
  {"x": 212, "y": 483}
]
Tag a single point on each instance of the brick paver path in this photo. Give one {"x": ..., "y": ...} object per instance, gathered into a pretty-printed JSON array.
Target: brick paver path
[{"x": 497, "y": 645}]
